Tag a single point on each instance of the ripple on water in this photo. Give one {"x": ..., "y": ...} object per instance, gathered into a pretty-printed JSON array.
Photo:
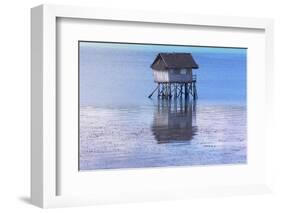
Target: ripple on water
[{"x": 158, "y": 136}]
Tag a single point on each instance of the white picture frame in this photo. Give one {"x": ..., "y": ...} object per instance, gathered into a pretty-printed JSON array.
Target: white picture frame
[{"x": 44, "y": 155}]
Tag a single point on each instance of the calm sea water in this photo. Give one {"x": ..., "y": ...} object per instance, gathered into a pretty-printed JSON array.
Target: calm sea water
[{"x": 121, "y": 128}]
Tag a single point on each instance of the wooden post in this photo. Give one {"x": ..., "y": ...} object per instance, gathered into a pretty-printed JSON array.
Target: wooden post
[
  {"x": 190, "y": 89},
  {"x": 166, "y": 90},
  {"x": 181, "y": 106},
  {"x": 193, "y": 90},
  {"x": 153, "y": 91},
  {"x": 163, "y": 90},
  {"x": 181, "y": 93},
  {"x": 158, "y": 90},
  {"x": 175, "y": 92},
  {"x": 185, "y": 91},
  {"x": 170, "y": 90}
]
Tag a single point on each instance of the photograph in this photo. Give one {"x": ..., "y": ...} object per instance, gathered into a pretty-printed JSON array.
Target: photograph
[{"x": 161, "y": 105}]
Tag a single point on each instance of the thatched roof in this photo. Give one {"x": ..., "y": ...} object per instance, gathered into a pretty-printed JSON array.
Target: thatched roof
[{"x": 166, "y": 61}]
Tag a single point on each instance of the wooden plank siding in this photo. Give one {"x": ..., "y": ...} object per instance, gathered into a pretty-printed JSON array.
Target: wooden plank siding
[{"x": 172, "y": 76}]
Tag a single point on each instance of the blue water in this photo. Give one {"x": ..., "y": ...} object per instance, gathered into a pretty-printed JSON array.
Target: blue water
[{"x": 121, "y": 128}]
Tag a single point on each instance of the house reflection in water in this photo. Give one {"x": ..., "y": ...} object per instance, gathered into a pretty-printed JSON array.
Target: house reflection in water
[{"x": 174, "y": 121}]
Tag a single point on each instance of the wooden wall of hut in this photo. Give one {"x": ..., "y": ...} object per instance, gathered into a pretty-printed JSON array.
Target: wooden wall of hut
[{"x": 172, "y": 76}]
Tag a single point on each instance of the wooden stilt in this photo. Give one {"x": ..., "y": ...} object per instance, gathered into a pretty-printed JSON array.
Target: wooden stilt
[
  {"x": 175, "y": 90},
  {"x": 194, "y": 90},
  {"x": 181, "y": 106},
  {"x": 153, "y": 92},
  {"x": 158, "y": 90},
  {"x": 170, "y": 91},
  {"x": 185, "y": 91},
  {"x": 181, "y": 90},
  {"x": 166, "y": 91}
]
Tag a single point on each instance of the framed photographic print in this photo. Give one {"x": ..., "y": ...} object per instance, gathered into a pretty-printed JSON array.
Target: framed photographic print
[{"x": 133, "y": 106}]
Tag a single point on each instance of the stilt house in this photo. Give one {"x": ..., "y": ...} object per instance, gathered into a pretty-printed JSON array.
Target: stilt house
[{"x": 173, "y": 72}]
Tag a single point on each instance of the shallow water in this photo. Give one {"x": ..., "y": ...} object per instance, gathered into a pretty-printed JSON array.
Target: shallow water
[
  {"x": 163, "y": 135},
  {"x": 121, "y": 128}
]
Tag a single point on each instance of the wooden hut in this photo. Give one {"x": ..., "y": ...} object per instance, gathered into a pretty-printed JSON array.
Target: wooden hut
[{"x": 173, "y": 72}]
